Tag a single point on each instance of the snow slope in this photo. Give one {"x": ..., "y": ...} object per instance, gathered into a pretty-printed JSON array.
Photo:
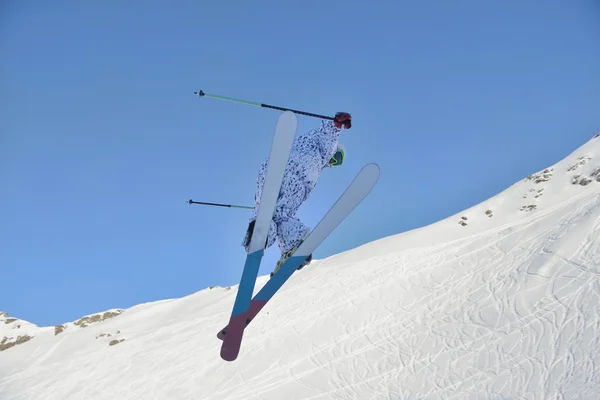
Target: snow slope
[{"x": 501, "y": 301}]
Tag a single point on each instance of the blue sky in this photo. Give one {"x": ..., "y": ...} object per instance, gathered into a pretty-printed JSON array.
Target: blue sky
[{"x": 103, "y": 142}]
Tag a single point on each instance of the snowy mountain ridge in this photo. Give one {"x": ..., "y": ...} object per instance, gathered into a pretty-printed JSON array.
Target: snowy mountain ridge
[
  {"x": 500, "y": 301},
  {"x": 540, "y": 191},
  {"x": 14, "y": 331}
]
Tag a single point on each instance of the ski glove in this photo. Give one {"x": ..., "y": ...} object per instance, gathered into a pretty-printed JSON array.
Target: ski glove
[{"x": 343, "y": 119}]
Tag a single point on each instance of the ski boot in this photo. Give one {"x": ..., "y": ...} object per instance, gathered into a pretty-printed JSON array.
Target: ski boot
[
  {"x": 289, "y": 253},
  {"x": 248, "y": 237},
  {"x": 285, "y": 257}
]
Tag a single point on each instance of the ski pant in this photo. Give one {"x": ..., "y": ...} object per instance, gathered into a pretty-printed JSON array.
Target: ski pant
[{"x": 285, "y": 226}]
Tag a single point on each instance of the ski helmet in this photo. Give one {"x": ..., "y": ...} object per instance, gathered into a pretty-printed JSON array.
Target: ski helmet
[{"x": 338, "y": 158}]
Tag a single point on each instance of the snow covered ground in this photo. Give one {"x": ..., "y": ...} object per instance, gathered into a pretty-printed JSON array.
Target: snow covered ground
[{"x": 501, "y": 301}]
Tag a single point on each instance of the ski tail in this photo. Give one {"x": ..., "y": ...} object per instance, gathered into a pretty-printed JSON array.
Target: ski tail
[
  {"x": 283, "y": 140},
  {"x": 356, "y": 192}
]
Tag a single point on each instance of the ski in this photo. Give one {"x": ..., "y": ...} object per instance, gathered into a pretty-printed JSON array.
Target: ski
[
  {"x": 347, "y": 202},
  {"x": 281, "y": 146}
]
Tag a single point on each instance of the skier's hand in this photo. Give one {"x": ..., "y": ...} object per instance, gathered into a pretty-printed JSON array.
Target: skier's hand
[{"x": 343, "y": 119}]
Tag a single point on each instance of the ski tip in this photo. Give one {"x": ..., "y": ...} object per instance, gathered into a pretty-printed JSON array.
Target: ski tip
[
  {"x": 222, "y": 333},
  {"x": 289, "y": 114},
  {"x": 233, "y": 338},
  {"x": 289, "y": 120},
  {"x": 372, "y": 168},
  {"x": 230, "y": 351},
  {"x": 229, "y": 356}
]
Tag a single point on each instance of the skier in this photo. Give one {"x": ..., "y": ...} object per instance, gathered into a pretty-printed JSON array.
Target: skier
[{"x": 311, "y": 153}]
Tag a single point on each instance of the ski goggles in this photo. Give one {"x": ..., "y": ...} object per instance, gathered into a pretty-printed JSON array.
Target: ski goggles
[{"x": 337, "y": 159}]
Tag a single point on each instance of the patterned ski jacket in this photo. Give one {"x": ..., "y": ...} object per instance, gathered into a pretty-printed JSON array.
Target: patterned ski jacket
[{"x": 311, "y": 153}]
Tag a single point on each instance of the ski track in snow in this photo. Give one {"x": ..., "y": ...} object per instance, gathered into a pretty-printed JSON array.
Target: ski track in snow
[{"x": 511, "y": 311}]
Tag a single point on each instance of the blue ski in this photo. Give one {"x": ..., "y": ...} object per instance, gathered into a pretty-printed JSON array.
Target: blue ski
[
  {"x": 283, "y": 139},
  {"x": 352, "y": 197}
]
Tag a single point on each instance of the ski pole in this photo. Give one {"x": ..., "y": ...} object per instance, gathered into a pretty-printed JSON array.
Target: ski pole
[
  {"x": 190, "y": 201},
  {"x": 214, "y": 96}
]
